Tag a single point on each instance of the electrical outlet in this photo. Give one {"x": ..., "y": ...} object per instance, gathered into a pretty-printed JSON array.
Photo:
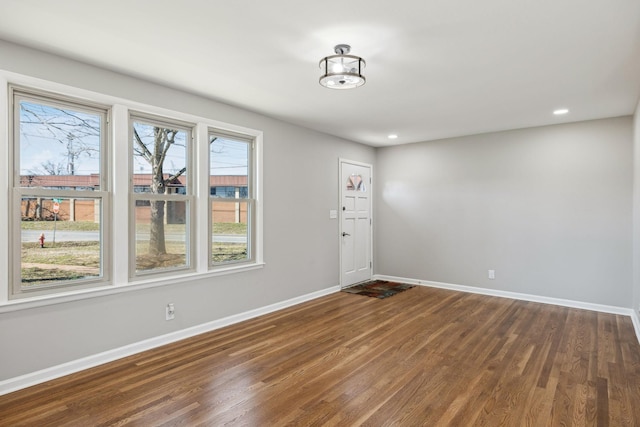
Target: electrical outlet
[
  {"x": 171, "y": 312},
  {"x": 492, "y": 274}
]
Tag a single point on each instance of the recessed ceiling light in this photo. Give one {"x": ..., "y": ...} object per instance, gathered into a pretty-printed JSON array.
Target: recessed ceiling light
[
  {"x": 561, "y": 111},
  {"x": 393, "y": 136}
]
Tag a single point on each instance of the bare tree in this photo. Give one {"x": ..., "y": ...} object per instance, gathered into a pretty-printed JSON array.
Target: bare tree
[
  {"x": 77, "y": 132},
  {"x": 156, "y": 154},
  {"x": 52, "y": 168},
  {"x": 74, "y": 130}
]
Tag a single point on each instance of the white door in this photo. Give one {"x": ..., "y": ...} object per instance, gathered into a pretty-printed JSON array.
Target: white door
[{"x": 355, "y": 222}]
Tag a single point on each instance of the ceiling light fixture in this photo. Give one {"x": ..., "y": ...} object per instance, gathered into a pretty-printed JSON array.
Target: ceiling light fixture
[
  {"x": 393, "y": 136},
  {"x": 342, "y": 71},
  {"x": 561, "y": 111}
]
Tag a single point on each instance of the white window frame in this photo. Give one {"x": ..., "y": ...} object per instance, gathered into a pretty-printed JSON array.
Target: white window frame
[
  {"x": 250, "y": 199},
  {"x": 189, "y": 198},
  {"x": 16, "y": 94},
  {"x": 116, "y": 207}
]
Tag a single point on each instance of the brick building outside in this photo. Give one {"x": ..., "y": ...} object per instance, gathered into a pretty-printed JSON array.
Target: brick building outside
[{"x": 222, "y": 188}]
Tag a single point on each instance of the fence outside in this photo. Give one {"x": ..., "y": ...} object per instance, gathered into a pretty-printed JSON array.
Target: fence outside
[{"x": 40, "y": 209}]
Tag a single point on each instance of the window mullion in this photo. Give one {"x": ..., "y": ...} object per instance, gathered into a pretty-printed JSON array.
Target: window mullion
[
  {"x": 6, "y": 165},
  {"x": 202, "y": 223},
  {"x": 120, "y": 211}
]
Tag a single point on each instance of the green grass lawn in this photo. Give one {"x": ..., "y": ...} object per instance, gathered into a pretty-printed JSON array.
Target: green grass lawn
[
  {"x": 85, "y": 256},
  {"x": 223, "y": 252},
  {"x": 229, "y": 228},
  {"x": 76, "y": 260},
  {"x": 38, "y": 276},
  {"x": 218, "y": 228},
  {"x": 60, "y": 225},
  {"x": 175, "y": 256}
]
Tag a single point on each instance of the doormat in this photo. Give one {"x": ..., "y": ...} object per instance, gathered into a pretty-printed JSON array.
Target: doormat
[{"x": 378, "y": 288}]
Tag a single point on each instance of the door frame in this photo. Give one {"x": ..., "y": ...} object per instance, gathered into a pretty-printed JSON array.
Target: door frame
[{"x": 340, "y": 197}]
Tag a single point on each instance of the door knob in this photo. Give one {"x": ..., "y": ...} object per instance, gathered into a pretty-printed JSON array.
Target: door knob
[{"x": 345, "y": 234}]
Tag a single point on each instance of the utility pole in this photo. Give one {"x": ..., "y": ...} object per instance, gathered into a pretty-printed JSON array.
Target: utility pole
[{"x": 71, "y": 155}]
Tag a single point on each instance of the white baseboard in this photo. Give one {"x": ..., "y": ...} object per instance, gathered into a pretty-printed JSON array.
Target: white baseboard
[
  {"x": 636, "y": 323},
  {"x": 523, "y": 297},
  {"x": 28, "y": 380}
]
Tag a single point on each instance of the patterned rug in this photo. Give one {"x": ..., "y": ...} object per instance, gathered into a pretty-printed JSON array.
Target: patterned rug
[{"x": 378, "y": 288}]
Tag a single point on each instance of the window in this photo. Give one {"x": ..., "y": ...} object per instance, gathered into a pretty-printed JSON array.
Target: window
[
  {"x": 101, "y": 197},
  {"x": 233, "y": 192},
  {"x": 355, "y": 183},
  {"x": 232, "y": 200},
  {"x": 162, "y": 191},
  {"x": 60, "y": 192}
]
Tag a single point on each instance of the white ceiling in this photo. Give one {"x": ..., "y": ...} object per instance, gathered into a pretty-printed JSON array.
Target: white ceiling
[{"x": 435, "y": 68}]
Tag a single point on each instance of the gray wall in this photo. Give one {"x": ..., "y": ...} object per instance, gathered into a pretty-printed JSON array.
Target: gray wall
[
  {"x": 636, "y": 210},
  {"x": 549, "y": 209},
  {"x": 300, "y": 241}
]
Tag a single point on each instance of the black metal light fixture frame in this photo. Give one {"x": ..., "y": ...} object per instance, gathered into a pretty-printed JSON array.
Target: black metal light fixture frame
[{"x": 342, "y": 71}]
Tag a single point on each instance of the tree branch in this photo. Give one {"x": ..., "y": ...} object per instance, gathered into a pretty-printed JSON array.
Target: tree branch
[
  {"x": 169, "y": 136},
  {"x": 175, "y": 176},
  {"x": 144, "y": 151}
]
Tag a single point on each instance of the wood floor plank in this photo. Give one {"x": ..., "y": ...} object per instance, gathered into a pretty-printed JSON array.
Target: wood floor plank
[{"x": 423, "y": 357}]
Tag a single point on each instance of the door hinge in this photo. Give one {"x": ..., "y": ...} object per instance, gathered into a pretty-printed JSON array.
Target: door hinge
[{"x": 370, "y": 264}]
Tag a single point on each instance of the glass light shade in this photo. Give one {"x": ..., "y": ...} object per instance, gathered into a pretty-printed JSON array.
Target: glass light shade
[{"x": 342, "y": 71}]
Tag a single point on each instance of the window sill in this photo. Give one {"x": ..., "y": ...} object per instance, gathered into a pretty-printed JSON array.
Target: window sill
[{"x": 63, "y": 297}]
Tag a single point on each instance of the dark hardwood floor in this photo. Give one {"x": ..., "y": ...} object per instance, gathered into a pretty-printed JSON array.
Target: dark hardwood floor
[{"x": 423, "y": 357}]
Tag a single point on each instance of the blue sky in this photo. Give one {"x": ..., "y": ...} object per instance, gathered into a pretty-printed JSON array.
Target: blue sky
[{"x": 48, "y": 134}]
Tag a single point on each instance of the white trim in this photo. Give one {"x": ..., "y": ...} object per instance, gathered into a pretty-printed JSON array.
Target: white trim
[
  {"x": 636, "y": 323},
  {"x": 120, "y": 170},
  {"x": 201, "y": 257},
  {"x": 58, "y": 298},
  {"x": 119, "y": 196},
  {"x": 30, "y": 379},
  {"x": 258, "y": 223},
  {"x": 522, "y": 297},
  {"x": 6, "y": 165}
]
